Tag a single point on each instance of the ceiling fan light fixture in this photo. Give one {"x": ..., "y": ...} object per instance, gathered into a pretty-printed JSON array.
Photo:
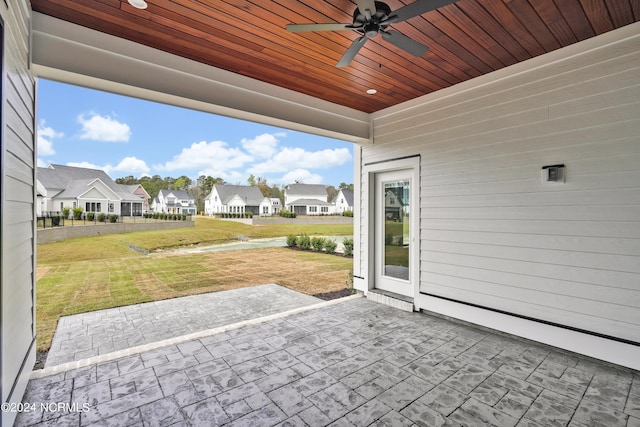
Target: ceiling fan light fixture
[{"x": 138, "y": 4}]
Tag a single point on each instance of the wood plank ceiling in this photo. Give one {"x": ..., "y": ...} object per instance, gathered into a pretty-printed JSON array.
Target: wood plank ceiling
[{"x": 466, "y": 39}]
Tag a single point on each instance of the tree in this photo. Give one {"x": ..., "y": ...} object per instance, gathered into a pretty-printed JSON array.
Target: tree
[
  {"x": 345, "y": 186},
  {"x": 332, "y": 192},
  {"x": 251, "y": 180},
  {"x": 182, "y": 183}
]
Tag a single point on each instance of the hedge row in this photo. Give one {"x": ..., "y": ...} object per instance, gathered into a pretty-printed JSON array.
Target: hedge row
[
  {"x": 287, "y": 214},
  {"x": 236, "y": 215},
  {"x": 319, "y": 243},
  {"x": 166, "y": 216}
]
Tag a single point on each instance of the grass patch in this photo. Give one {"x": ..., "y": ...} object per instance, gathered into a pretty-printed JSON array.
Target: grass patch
[{"x": 94, "y": 273}]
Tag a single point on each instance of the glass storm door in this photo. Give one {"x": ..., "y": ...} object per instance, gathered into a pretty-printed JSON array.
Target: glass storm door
[{"x": 393, "y": 236}]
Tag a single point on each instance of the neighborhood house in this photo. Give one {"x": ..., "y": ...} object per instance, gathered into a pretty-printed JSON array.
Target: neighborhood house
[
  {"x": 307, "y": 199},
  {"x": 174, "y": 202},
  {"x": 60, "y": 187},
  {"x": 238, "y": 199}
]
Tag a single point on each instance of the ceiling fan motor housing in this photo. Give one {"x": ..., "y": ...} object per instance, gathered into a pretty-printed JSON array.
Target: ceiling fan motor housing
[{"x": 372, "y": 27}]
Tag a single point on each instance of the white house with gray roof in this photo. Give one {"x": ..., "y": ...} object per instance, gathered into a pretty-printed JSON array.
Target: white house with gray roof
[
  {"x": 60, "y": 187},
  {"x": 174, "y": 202},
  {"x": 307, "y": 199},
  {"x": 343, "y": 201},
  {"x": 225, "y": 198}
]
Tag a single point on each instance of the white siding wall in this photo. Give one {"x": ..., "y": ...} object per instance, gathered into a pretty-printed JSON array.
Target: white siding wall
[
  {"x": 492, "y": 233},
  {"x": 17, "y": 207}
]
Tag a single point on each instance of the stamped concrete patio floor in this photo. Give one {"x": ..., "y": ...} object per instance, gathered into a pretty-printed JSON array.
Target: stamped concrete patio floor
[{"x": 349, "y": 362}]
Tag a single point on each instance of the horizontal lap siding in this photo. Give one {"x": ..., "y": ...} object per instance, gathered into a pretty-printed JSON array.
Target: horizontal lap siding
[
  {"x": 18, "y": 164},
  {"x": 492, "y": 233}
]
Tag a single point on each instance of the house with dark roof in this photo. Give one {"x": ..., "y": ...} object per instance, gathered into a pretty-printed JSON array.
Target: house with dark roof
[
  {"x": 238, "y": 199},
  {"x": 307, "y": 199},
  {"x": 174, "y": 202},
  {"x": 60, "y": 187}
]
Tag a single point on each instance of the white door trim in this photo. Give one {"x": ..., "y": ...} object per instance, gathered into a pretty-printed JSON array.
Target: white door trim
[{"x": 412, "y": 165}]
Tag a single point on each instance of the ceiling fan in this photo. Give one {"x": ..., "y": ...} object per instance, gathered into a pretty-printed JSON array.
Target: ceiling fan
[{"x": 372, "y": 18}]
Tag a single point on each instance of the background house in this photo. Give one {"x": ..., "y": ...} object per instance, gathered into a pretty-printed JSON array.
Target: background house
[
  {"x": 139, "y": 190},
  {"x": 343, "y": 201},
  {"x": 60, "y": 186},
  {"x": 307, "y": 199},
  {"x": 174, "y": 202},
  {"x": 225, "y": 198}
]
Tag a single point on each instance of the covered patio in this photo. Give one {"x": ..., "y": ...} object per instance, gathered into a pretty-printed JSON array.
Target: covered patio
[
  {"x": 508, "y": 91},
  {"x": 303, "y": 362}
]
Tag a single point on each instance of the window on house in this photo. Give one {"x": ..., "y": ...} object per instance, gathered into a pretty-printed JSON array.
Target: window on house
[
  {"x": 92, "y": 207},
  {"x": 111, "y": 207},
  {"x": 324, "y": 209},
  {"x": 313, "y": 209},
  {"x": 265, "y": 210}
]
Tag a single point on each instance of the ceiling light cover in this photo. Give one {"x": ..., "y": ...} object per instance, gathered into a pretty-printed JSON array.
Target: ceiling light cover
[
  {"x": 140, "y": 4},
  {"x": 372, "y": 91}
]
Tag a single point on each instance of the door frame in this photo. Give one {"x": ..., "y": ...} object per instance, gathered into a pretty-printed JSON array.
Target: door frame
[{"x": 412, "y": 165}]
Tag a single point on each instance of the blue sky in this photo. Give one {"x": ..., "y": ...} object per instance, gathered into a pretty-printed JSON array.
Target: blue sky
[{"x": 128, "y": 136}]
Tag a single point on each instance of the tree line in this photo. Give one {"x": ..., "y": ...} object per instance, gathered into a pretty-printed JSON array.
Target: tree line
[{"x": 201, "y": 187}]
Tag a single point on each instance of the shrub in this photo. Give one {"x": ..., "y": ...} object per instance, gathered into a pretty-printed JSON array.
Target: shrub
[
  {"x": 287, "y": 214},
  {"x": 330, "y": 246},
  {"x": 317, "y": 243},
  {"x": 65, "y": 212},
  {"x": 347, "y": 213},
  {"x": 304, "y": 242},
  {"x": 91, "y": 216},
  {"x": 388, "y": 239},
  {"x": 184, "y": 217},
  {"x": 347, "y": 242},
  {"x": 77, "y": 213},
  {"x": 101, "y": 217},
  {"x": 113, "y": 218},
  {"x": 292, "y": 240}
]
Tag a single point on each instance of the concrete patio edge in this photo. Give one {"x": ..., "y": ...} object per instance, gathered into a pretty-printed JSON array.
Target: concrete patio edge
[{"x": 52, "y": 370}]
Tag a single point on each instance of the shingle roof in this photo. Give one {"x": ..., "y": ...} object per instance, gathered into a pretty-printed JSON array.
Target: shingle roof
[
  {"x": 180, "y": 194},
  {"x": 348, "y": 196},
  {"x": 72, "y": 181},
  {"x": 309, "y": 202},
  {"x": 250, "y": 194},
  {"x": 306, "y": 190}
]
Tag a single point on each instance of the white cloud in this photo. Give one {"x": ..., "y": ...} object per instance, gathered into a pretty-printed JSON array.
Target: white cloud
[
  {"x": 215, "y": 157},
  {"x": 128, "y": 165},
  {"x": 103, "y": 128},
  {"x": 262, "y": 146},
  {"x": 302, "y": 176},
  {"x": 289, "y": 159},
  {"x": 46, "y": 135}
]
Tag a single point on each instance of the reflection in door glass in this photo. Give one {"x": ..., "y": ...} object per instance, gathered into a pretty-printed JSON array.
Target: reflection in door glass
[{"x": 396, "y": 229}]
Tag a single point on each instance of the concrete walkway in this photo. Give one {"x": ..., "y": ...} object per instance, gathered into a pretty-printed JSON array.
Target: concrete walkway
[{"x": 349, "y": 363}]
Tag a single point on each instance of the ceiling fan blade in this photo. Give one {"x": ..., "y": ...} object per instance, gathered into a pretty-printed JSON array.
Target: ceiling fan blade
[
  {"x": 405, "y": 43},
  {"x": 300, "y": 28},
  {"x": 364, "y": 5},
  {"x": 351, "y": 52},
  {"x": 416, "y": 8}
]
